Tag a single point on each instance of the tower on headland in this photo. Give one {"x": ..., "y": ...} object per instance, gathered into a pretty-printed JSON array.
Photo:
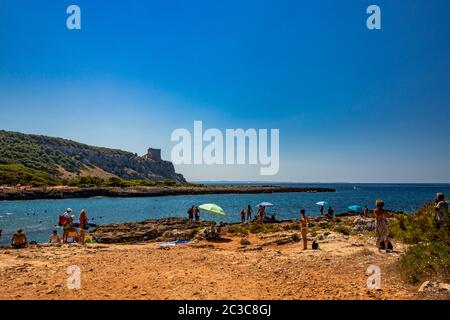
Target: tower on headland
[{"x": 154, "y": 154}]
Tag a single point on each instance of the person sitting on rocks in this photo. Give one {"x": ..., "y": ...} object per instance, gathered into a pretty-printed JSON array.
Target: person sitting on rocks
[
  {"x": 330, "y": 212},
  {"x": 19, "y": 240}
]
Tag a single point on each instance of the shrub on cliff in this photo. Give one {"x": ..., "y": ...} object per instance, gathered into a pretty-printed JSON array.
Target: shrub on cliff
[
  {"x": 429, "y": 255},
  {"x": 13, "y": 174}
]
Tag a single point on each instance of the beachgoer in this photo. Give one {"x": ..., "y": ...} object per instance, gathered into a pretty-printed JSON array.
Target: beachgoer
[
  {"x": 84, "y": 225},
  {"x": 67, "y": 223},
  {"x": 242, "y": 216},
  {"x": 197, "y": 214},
  {"x": 19, "y": 240},
  {"x": 261, "y": 213},
  {"x": 366, "y": 211},
  {"x": 304, "y": 224},
  {"x": 249, "y": 213},
  {"x": 382, "y": 229},
  {"x": 54, "y": 238},
  {"x": 72, "y": 236},
  {"x": 191, "y": 213},
  {"x": 321, "y": 210},
  {"x": 330, "y": 212},
  {"x": 441, "y": 209}
]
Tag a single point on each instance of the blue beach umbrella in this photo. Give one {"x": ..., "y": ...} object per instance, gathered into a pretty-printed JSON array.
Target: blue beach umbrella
[{"x": 355, "y": 208}]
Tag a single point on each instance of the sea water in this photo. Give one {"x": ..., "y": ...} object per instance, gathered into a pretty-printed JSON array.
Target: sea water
[{"x": 39, "y": 217}]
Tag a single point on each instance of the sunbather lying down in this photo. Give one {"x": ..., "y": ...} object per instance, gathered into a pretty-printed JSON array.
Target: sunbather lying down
[{"x": 19, "y": 240}]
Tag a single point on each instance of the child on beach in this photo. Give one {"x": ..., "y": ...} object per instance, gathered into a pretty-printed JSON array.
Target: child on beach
[
  {"x": 304, "y": 224},
  {"x": 54, "y": 238}
]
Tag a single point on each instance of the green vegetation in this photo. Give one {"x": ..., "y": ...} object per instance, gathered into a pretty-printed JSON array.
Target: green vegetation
[
  {"x": 429, "y": 255},
  {"x": 263, "y": 227},
  {"x": 14, "y": 174},
  {"x": 238, "y": 229},
  {"x": 37, "y": 152},
  {"x": 345, "y": 230}
]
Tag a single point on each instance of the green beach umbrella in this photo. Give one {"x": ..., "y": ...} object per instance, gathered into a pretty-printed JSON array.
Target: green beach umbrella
[{"x": 212, "y": 208}]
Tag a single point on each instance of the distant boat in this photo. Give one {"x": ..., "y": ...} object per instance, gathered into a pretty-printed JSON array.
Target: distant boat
[{"x": 354, "y": 188}]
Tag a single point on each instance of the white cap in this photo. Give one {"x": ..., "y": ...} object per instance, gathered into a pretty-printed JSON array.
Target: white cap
[{"x": 69, "y": 210}]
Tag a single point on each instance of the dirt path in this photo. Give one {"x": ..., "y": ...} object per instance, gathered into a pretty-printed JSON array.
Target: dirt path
[{"x": 201, "y": 270}]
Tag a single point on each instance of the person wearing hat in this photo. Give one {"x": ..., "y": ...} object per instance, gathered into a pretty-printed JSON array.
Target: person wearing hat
[
  {"x": 68, "y": 225},
  {"x": 382, "y": 229},
  {"x": 440, "y": 208}
]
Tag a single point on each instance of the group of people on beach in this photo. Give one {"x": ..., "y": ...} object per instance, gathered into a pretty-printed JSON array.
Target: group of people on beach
[
  {"x": 66, "y": 222},
  {"x": 71, "y": 235}
]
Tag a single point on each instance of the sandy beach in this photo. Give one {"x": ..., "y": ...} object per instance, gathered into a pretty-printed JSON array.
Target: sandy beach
[{"x": 267, "y": 268}]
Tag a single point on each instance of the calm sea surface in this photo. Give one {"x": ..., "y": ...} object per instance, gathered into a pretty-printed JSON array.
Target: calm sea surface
[{"x": 39, "y": 217}]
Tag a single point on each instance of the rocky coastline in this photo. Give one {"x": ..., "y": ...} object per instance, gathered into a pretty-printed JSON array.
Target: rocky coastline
[{"x": 77, "y": 192}]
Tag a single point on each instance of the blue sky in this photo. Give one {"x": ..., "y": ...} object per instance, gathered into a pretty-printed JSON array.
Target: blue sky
[{"x": 352, "y": 105}]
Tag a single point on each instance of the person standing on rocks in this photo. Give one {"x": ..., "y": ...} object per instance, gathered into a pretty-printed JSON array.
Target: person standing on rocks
[
  {"x": 366, "y": 211},
  {"x": 197, "y": 214},
  {"x": 190, "y": 213},
  {"x": 382, "y": 229},
  {"x": 441, "y": 209},
  {"x": 242, "y": 216},
  {"x": 249, "y": 213},
  {"x": 321, "y": 210},
  {"x": 84, "y": 225},
  {"x": 304, "y": 224}
]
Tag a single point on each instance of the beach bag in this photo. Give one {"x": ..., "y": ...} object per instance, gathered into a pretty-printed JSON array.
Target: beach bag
[
  {"x": 390, "y": 246},
  {"x": 62, "y": 221}
]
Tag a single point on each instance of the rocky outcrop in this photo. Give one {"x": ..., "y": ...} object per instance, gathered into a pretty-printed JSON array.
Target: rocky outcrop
[{"x": 166, "y": 229}]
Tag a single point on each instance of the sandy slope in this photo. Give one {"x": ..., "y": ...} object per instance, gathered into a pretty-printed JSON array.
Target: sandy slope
[{"x": 203, "y": 270}]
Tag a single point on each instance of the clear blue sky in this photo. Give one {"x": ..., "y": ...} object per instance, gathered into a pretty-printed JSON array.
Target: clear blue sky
[{"x": 351, "y": 104}]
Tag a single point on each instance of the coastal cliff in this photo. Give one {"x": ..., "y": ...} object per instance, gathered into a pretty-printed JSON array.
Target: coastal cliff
[{"x": 41, "y": 160}]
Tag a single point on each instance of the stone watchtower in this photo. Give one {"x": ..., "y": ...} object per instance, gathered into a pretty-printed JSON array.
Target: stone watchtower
[{"x": 154, "y": 154}]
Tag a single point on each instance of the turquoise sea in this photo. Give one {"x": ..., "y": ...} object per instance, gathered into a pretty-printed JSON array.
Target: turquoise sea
[{"x": 39, "y": 217}]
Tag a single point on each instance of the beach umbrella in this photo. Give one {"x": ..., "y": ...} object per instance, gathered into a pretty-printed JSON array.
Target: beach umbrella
[
  {"x": 322, "y": 203},
  {"x": 212, "y": 208},
  {"x": 355, "y": 208},
  {"x": 265, "y": 204}
]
